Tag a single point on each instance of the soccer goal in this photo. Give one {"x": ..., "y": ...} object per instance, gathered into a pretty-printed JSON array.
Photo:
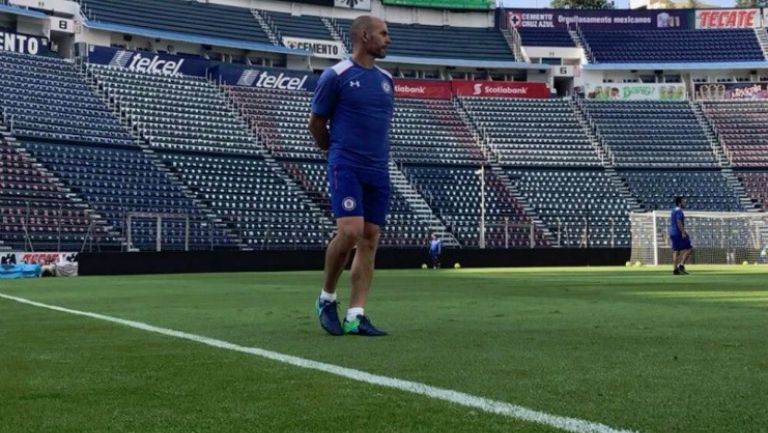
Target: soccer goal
[{"x": 717, "y": 237}]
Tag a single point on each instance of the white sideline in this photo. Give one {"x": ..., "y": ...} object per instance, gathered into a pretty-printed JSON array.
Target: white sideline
[{"x": 487, "y": 405}]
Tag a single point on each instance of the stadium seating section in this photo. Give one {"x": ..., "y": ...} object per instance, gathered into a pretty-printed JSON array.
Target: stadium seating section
[
  {"x": 68, "y": 129},
  {"x": 532, "y": 132},
  {"x": 545, "y": 37},
  {"x": 580, "y": 207},
  {"x": 83, "y": 147},
  {"x": 706, "y": 190},
  {"x": 455, "y": 194},
  {"x": 742, "y": 127},
  {"x": 417, "y": 40},
  {"x": 756, "y": 184},
  {"x": 188, "y": 121},
  {"x": 280, "y": 117},
  {"x": 651, "y": 134},
  {"x": 302, "y": 26},
  {"x": 179, "y": 16},
  {"x": 654, "y": 46}
]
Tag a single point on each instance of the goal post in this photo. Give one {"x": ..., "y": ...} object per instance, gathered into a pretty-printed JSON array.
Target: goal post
[{"x": 717, "y": 237}]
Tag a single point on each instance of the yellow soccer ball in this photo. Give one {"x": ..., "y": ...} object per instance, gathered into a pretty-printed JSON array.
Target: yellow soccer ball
[{"x": 457, "y": 265}]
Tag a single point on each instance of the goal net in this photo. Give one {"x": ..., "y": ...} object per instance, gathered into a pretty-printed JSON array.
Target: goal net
[{"x": 717, "y": 237}]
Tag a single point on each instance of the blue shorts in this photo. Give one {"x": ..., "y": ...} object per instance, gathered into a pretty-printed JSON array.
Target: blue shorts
[
  {"x": 359, "y": 192},
  {"x": 679, "y": 243}
]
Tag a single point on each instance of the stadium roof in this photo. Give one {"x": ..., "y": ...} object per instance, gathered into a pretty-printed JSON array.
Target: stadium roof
[
  {"x": 193, "y": 38},
  {"x": 468, "y": 63},
  {"x": 22, "y": 11},
  {"x": 676, "y": 66}
]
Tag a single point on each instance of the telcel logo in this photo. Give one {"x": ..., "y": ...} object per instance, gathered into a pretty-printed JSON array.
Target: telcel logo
[
  {"x": 280, "y": 81},
  {"x": 155, "y": 65}
]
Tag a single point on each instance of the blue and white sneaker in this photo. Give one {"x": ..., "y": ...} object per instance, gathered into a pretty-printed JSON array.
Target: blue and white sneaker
[
  {"x": 362, "y": 326},
  {"x": 328, "y": 312}
]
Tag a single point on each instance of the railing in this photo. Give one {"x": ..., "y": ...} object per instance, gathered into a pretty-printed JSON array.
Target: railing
[{"x": 28, "y": 219}]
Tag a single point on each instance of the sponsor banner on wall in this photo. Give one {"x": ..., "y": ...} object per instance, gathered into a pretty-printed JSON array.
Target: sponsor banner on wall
[
  {"x": 146, "y": 62},
  {"x": 41, "y": 258},
  {"x": 728, "y": 18},
  {"x": 363, "y": 5},
  {"x": 430, "y": 89},
  {"x": 318, "y": 47},
  {"x": 751, "y": 90},
  {"x": 23, "y": 44},
  {"x": 637, "y": 91},
  {"x": 606, "y": 19},
  {"x": 263, "y": 77},
  {"x": 510, "y": 89}
]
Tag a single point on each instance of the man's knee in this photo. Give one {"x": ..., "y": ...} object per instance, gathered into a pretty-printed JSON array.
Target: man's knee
[
  {"x": 350, "y": 232},
  {"x": 370, "y": 237}
]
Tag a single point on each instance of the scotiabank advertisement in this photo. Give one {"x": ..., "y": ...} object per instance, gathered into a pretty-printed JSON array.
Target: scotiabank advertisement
[
  {"x": 436, "y": 89},
  {"x": 509, "y": 89},
  {"x": 427, "y": 89}
]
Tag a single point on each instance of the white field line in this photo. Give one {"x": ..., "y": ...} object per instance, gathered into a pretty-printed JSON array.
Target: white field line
[{"x": 575, "y": 425}]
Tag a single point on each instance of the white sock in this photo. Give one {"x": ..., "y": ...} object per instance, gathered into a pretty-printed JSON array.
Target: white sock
[
  {"x": 325, "y": 296},
  {"x": 353, "y": 312}
]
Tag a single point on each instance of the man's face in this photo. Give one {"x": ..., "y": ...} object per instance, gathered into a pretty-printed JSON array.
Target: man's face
[
  {"x": 376, "y": 39},
  {"x": 684, "y": 203}
]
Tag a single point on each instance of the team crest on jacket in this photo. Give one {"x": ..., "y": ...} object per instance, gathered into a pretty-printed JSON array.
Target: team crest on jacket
[{"x": 386, "y": 87}]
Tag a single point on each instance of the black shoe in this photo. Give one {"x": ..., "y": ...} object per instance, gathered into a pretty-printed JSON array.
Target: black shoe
[
  {"x": 682, "y": 270},
  {"x": 328, "y": 312},
  {"x": 362, "y": 326},
  {"x": 676, "y": 272}
]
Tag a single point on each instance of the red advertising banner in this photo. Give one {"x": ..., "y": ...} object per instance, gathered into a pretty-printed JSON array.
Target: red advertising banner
[
  {"x": 428, "y": 89},
  {"x": 727, "y": 18},
  {"x": 509, "y": 89}
]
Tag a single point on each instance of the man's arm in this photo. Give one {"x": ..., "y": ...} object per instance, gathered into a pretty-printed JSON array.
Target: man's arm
[{"x": 319, "y": 130}]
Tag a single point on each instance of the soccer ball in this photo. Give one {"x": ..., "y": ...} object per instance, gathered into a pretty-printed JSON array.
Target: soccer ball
[
  {"x": 457, "y": 265},
  {"x": 424, "y": 266}
]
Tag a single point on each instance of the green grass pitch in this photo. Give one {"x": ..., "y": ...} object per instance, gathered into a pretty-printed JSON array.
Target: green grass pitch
[{"x": 632, "y": 348}]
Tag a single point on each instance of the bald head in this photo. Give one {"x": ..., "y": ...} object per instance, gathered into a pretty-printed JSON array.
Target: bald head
[{"x": 370, "y": 35}]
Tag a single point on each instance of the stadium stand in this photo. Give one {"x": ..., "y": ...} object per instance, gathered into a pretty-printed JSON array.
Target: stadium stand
[
  {"x": 187, "y": 120},
  {"x": 706, "y": 190},
  {"x": 678, "y": 45},
  {"x": 179, "y": 16},
  {"x": 545, "y": 37},
  {"x": 650, "y": 138},
  {"x": 756, "y": 185},
  {"x": 651, "y": 134},
  {"x": 418, "y": 40},
  {"x": 280, "y": 117},
  {"x": 576, "y": 203},
  {"x": 431, "y": 132},
  {"x": 62, "y": 123},
  {"x": 31, "y": 203},
  {"x": 302, "y": 26},
  {"x": 532, "y": 132},
  {"x": 742, "y": 127},
  {"x": 454, "y": 193}
]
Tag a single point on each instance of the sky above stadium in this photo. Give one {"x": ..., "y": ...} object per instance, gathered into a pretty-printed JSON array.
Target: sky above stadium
[{"x": 621, "y": 4}]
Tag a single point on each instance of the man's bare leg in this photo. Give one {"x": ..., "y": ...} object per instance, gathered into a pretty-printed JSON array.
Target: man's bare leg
[{"x": 349, "y": 231}]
